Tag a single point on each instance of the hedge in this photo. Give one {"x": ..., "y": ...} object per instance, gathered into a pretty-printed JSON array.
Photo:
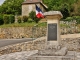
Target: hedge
[
  {"x": 19, "y": 19},
  {"x": 8, "y": 19},
  {"x": 25, "y": 18},
  {"x": 11, "y": 19}
]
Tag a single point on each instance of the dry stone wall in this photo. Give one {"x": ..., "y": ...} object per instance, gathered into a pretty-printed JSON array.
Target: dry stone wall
[
  {"x": 73, "y": 44},
  {"x": 21, "y": 32},
  {"x": 25, "y": 46}
]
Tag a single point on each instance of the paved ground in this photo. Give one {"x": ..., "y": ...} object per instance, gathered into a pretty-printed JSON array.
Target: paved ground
[
  {"x": 18, "y": 55},
  {"x": 5, "y": 42},
  {"x": 25, "y": 54}
]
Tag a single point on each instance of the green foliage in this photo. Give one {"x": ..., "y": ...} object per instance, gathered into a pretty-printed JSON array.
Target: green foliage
[
  {"x": 64, "y": 25},
  {"x": 77, "y": 18},
  {"x": 32, "y": 15},
  {"x": 1, "y": 19},
  {"x": 25, "y": 18},
  {"x": 22, "y": 19},
  {"x": 44, "y": 24},
  {"x": 26, "y": 24},
  {"x": 69, "y": 19},
  {"x": 30, "y": 20},
  {"x": 19, "y": 19},
  {"x": 11, "y": 6},
  {"x": 11, "y": 18},
  {"x": 37, "y": 19},
  {"x": 6, "y": 19},
  {"x": 65, "y": 6}
]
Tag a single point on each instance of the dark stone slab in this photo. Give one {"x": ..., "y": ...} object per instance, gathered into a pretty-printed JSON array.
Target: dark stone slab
[{"x": 52, "y": 32}]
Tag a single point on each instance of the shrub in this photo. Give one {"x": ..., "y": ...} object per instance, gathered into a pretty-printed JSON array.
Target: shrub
[
  {"x": 11, "y": 19},
  {"x": 69, "y": 19},
  {"x": 25, "y": 18},
  {"x": 32, "y": 15},
  {"x": 19, "y": 19},
  {"x": 37, "y": 19},
  {"x": 6, "y": 19},
  {"x": 77, "y": 18},
  {"x": 30, "y": 20},
  {"x": 1, "y": 19}
]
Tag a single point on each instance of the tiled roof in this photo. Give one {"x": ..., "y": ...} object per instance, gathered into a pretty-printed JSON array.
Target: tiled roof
[{"x": 32, "y": 1}]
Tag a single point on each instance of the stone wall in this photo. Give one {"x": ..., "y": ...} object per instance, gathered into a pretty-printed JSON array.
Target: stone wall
[
  {"x": 26, "y": 9},
  {"x": 22, "y": 32},
  {"x": 73, "y": 44},
  {"x": 25, "y": 46}
]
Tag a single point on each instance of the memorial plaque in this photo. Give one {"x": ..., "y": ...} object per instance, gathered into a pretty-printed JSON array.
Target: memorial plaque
[{"x": 52, "y": 32}]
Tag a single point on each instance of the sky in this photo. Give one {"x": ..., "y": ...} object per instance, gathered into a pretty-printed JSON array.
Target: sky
[{"x": 1, "y": 1}]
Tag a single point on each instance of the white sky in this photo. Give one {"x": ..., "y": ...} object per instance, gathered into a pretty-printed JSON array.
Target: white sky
[{"x": 1, "y": 1}]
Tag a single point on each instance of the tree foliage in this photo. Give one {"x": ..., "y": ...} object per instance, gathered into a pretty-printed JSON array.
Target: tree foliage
[
  {"x": 11, "y": 7},
  {"x": 67, "y": 7},
  {"x": 1, "y": 19},
  {"x": 8, "y": 19}
]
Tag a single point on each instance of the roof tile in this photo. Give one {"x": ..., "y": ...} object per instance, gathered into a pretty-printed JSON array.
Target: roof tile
[{"x": 32, "y": 1}]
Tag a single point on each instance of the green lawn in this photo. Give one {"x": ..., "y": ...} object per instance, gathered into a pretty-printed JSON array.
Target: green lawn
[{"x": 23, "y": 25}]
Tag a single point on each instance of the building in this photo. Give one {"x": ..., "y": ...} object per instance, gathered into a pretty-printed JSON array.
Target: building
[{"x": 30, "y": 5}]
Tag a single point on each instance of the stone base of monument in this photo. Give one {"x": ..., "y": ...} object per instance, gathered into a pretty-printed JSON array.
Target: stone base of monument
[
  {"x": 35, "y": 57},
  {"x": 53, "y": 51},
  {"x": 52, "y": 54}
]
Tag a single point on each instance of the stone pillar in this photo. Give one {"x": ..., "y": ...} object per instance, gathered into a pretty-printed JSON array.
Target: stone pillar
[
  {"x": 16, "y": 20},
  {"x": 53, "y": 27}
]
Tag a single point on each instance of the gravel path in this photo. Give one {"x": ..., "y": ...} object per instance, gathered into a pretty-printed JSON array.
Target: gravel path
[{"x": 18, "y": 55}]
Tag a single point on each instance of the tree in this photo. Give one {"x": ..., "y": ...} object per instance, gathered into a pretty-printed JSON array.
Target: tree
[
  {"x": 11, "y": 6},
  {"x": 65, "y": 6},
  {"x": 1, "y": 19},
  {"x": 76, "y": 9},
  {"x": 70, "y": 6}
]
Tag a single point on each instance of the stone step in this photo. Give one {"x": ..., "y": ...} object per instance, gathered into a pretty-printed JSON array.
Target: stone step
[
  {"x": 78, "y": 55},
  {"x": 51, "y": 58}
]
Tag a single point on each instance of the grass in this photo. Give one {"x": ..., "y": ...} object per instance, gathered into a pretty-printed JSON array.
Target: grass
[
  {"x": 64, "y": 25},
  {"x": 23, "y": 25}
]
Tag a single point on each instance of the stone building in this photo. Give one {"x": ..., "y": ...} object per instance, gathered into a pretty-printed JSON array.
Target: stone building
[{"x": 30, "y": 5}]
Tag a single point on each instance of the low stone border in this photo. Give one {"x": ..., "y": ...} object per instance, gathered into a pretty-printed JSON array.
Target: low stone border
[
  {"x": 18, "y": 55},
  {"x": 25, "y": 46},
  {"x": 73, "y": 44}
]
